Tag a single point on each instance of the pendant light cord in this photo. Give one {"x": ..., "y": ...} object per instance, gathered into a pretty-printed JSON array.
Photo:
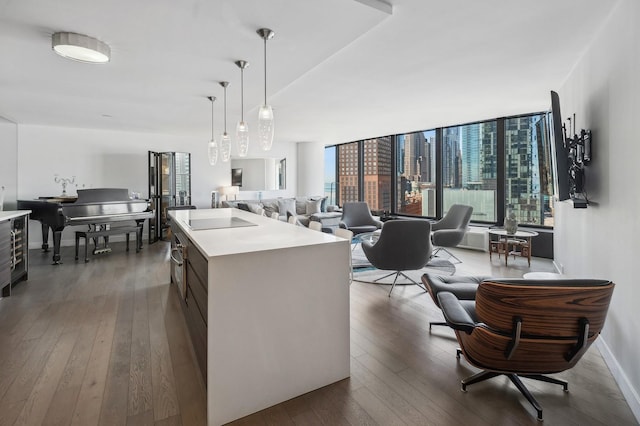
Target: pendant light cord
[
  {"x": 242, "y": 94},
  {"x": 265, "y": 71},
  {"x": 212, "y": 134},
  {"x": 225, "y": 110}
]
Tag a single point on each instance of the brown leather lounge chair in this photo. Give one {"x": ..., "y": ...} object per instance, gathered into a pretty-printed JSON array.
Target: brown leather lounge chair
[{"x": 527, "y": 328}]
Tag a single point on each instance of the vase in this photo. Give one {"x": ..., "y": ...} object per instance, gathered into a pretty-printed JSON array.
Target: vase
[{"x": 510, "y": 222}]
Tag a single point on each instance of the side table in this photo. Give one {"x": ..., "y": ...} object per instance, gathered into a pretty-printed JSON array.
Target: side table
[{"x": 518, "y": 243}]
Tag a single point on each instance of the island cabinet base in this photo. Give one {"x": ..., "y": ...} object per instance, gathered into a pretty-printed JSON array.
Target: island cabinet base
[
  {"x": 278, "y": 326},
  {"x": 190, "y": 276},
  {"x": 267, "y": 307}
]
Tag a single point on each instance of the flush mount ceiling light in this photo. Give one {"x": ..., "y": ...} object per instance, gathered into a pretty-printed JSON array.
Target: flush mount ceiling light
[
  {"x": 213, "y": 145},
  {"x": 225, "y": 140},
  {"x": 242, "y": 130},
  {"x": 80, "y": 48},
  {"x": 265, "y": 113}
]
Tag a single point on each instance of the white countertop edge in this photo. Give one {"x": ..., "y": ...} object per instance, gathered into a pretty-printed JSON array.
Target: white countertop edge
[
  {"x": 12, "y": 214},
  {"x": 268, "y": 234}
]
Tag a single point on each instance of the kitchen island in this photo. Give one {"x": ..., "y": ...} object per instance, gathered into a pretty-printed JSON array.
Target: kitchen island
[{"x": 273, "y": 299}]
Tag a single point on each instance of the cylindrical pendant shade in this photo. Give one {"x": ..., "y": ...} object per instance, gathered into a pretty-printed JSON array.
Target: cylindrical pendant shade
[
  {"x": 265, "y": 127},
  {"x": 225, "y": 147},
  {"x": 242, "y": 138},
  {"x": 213, "y": 152}
]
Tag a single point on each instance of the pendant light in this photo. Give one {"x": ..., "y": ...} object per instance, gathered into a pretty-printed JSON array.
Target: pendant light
[
  {"x": 225, "y": 140},
  {"x": 265, "y": 113},
  {"x": 242, "y": 130},
  {"x": 213, "y": 145}
]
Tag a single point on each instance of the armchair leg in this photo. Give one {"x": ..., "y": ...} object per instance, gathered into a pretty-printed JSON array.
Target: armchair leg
[
  {"x": 394, "y": 282},
  {"x": 523, "y": 389},
  {"x": 547, "y": 379},
  {"x": 436, "y": 323},
  {"x": 438, "y": 249},
  {"x": 476, "y": 378},
  {"x": 413, "y": 281},
  {"x": 382, "y": 278},
  {"x": 398, "y": 273}
]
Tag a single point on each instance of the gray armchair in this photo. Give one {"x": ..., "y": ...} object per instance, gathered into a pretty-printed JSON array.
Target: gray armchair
[
  {"x": 403, "y": 245},
  {"x": 356, "y": 217},
  {"x": 449, "y": 231}
]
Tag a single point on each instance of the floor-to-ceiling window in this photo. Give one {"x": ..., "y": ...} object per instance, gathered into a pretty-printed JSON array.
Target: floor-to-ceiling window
[
  {"x": 469, "y": 168},
  {"x": 528, "y": 180},
  {"x": 495, "y": 166},
  {"x": 416, "y": 173},
  {"x": 330, "y": 187}
]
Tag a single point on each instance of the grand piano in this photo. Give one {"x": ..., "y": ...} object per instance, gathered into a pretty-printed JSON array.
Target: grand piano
[{"x": 92, "y": 206}]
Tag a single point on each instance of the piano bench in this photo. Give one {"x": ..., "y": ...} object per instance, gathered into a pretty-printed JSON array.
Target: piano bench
[{"x": 118, "y": 230}]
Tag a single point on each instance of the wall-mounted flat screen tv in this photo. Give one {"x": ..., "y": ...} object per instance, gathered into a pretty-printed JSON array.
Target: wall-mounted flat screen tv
[{"x": 559, "y": 151}]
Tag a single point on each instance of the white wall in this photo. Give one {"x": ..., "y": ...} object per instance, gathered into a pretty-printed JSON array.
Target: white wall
[
  {"x": 8, "y": 164},
  {"x": 103, "y": 158},
  {"x": 602, "y": 240},
  {"x": 310, "y": 168}
]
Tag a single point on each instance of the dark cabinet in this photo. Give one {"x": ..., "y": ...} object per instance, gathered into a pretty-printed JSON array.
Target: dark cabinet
[
  {"x": 189, "y": 272},
  {"x": 5, "y": 258},
  {"x": 14, "y": 254},
  {"x": 169, "y": 186}
]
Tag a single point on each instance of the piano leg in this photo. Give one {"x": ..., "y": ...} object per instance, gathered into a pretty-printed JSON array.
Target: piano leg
[
  {"x": 140, "y": 224},
  {"x": 45, "y": 237},
  {"x": 57, "y": 235}
]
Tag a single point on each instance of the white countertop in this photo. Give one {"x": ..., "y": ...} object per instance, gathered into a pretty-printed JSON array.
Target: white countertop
[
  {"x": 268, "y": 234},
  {"x": 11, "y": 214}
]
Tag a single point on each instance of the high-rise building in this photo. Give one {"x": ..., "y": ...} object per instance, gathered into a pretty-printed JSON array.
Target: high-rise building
[{"x": 377, "y": 172}]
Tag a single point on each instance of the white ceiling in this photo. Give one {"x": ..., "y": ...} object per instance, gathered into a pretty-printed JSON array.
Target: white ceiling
[{"x": 338, "y": 70}]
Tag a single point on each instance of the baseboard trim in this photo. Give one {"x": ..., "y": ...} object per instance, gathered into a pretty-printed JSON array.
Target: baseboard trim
[
  {"x": 558, "y": 268},
  {"x": 629, "y": 393}
]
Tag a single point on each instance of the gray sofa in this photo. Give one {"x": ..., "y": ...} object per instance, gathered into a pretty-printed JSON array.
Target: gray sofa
[{"x": 305, "y": 209}]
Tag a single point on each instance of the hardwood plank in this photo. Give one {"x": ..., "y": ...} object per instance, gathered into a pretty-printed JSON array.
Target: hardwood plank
[
  {"x": 276, "y": 416},
  {"x": 140, "y": 419},
  {"x": 35, "y": 407},
  {"x": 341, "y": 397},
  {"x": 140, "y": 394},
  {"x": 190, "y": 386},
  {"x": 89, "y": 404},
  {"x": 64, "y": 400},
  {"x": 165, "y": 400},
  {"x": 171, "y": 421},
  {"x": 396, "y": 402},
  {"x": 114, "y": 404},
  {"x": 26, "y": 377},
  {"x": 379, "y": 411}
]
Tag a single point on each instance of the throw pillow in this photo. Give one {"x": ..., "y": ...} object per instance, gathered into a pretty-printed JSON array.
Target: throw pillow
[
  {"x": 301, "y": 205},
  {"x": 323, "y": 204},
  {"x": 244, "y": 206},
  {"x": 254, "y": 207},
  {"x": 270, "y": 207},
  {"x": 313, "y": 206},
  {"x": 286, "y": 205}
]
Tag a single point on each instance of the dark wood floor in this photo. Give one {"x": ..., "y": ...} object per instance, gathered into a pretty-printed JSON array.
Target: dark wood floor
[{"x": 105, "y": 343}]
